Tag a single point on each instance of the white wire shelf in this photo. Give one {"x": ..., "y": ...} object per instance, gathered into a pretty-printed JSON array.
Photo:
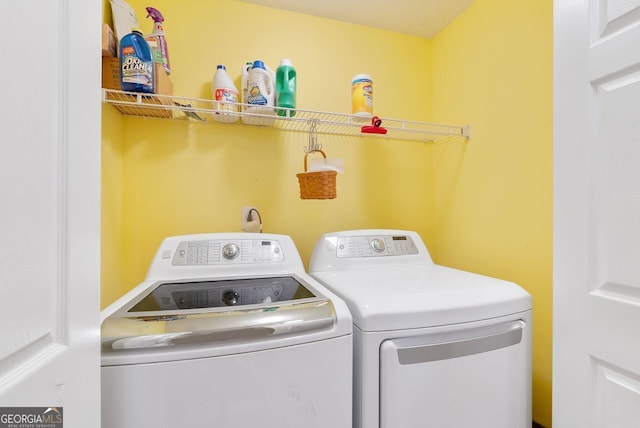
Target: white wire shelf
[{"x": 209, "y": 111}]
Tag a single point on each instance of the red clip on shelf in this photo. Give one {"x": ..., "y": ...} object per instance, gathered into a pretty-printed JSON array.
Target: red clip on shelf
[{"x": 375, "y": 127}]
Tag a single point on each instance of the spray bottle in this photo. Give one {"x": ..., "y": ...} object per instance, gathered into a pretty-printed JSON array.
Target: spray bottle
[{"x": 157, "y": 40}]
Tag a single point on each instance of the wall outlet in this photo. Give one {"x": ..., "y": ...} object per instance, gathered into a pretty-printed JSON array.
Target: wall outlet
[{"x": 250, "y": 221}]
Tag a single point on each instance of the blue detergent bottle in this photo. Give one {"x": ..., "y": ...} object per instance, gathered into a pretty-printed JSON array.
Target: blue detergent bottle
[
  {"x": 286, "y": 88},
  {"x": 136, "y": 63}
]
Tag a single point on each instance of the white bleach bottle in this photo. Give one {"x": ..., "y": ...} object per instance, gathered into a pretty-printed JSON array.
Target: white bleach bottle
[
  {"x": 260, "y": 96},
  {"x": 225, "y": 97}
]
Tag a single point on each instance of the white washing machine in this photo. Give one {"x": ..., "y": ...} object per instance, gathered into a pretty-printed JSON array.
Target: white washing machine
[
  {"x": 433, "y": 346},
  {"x": 227, "y": 330}
]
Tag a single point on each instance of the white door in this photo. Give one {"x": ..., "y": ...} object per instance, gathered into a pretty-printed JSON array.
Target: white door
[
  {"x": 597, "y": 214},
  {"x": 50, "y": 208}
]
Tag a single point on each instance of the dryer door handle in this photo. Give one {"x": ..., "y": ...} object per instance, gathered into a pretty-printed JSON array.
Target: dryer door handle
[{"x": 435, "y": 348}]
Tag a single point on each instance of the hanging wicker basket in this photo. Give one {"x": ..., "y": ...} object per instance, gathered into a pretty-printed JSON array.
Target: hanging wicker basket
[{"x": 317, "y": 184}]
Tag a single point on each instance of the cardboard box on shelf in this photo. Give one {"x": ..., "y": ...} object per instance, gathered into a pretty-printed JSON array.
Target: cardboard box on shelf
[
  {"x": 108, "y": 41},
  {"x": 162, "y": 83},
  {"x": 111, "y": 73},
  {"x": 163, "y": 86}
]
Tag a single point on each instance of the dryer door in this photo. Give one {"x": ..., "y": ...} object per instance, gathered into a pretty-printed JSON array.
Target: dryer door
[{"x": 464, "y": 377}]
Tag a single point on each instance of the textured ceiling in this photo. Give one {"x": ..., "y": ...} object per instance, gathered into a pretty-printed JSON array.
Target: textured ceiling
[{"x": 423, "y": 18}]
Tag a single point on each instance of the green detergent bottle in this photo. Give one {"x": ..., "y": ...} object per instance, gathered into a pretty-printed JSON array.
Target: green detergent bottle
[{"x": 286, "y": 88}]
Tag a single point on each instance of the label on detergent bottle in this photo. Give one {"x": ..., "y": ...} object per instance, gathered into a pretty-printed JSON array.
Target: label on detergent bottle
[
  {"x": 227, "y": 96},
  {"x": 156, "y": 53},
  {"x": 362, "y": 95},
  {"x": 134, "y": 70},
  {"x": 256, "y": 97}
]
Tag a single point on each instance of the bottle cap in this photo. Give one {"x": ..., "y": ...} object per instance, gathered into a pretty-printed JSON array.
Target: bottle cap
[
  {"x": 285, "y": 61},
  {"x": 220, "y": 66},
  {"x": 361, "y": 77},
  {"x": 259, "y": 64}
]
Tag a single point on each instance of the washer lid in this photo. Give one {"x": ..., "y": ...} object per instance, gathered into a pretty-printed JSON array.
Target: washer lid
[
  {"x": 191, "y": 312},
  {"x": 422, "y": 296}
]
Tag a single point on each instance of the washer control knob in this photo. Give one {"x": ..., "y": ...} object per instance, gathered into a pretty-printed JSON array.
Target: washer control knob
[
  {"x": 230, "y": 251},
  {"x": 230, "y": 297},
  {"x": 377, "y": 245}
]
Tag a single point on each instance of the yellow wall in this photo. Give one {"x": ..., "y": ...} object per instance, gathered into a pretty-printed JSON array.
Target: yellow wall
[
  {"x": 111, "y": 200},
  {"x": 180, "y": 178},
  {"x": 493, "y": 195},
  {"x": 482, "y": 205}
]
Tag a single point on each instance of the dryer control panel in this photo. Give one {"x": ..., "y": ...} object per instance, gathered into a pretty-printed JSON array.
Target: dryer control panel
[
  {"x": 219, "y": 252},
  {"x": 368, "y": 248},
  {"x": 375, "y": 246}
]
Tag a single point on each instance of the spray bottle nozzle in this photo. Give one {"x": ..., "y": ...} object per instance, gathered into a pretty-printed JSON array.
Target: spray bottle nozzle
[{"x": 154, "y": 14}]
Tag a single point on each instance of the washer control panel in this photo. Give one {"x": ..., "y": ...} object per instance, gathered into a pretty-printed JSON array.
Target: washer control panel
[
  {"x": 220, "y": 293},
  {"x": 375, "y": 246},
  {"x": 190, "y": 296},
  {"x": 220, "y": 252}
]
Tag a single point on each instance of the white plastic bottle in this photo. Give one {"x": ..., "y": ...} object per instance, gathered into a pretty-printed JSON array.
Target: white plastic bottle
[
  {"x": 225, "y": 97},
  {"x": 260, "y": 96},
  {"x": 244, "y": 74}
]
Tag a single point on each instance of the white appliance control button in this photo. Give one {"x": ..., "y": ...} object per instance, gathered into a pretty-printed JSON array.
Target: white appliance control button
[
  {"x": 377, "y": 245},
  {"x": 230, "y": 251}
]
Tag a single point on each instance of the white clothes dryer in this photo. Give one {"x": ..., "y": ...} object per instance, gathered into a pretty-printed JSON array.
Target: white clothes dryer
[
  {"x": 227, "y": 330},
  {"x": 433, "y": 346}
]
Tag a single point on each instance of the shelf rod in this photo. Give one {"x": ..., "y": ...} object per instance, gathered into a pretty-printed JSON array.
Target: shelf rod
[{"x": 326, "y": 122}]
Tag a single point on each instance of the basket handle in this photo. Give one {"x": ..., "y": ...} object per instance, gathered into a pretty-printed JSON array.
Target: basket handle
[{"x": 308, "y": 153}]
